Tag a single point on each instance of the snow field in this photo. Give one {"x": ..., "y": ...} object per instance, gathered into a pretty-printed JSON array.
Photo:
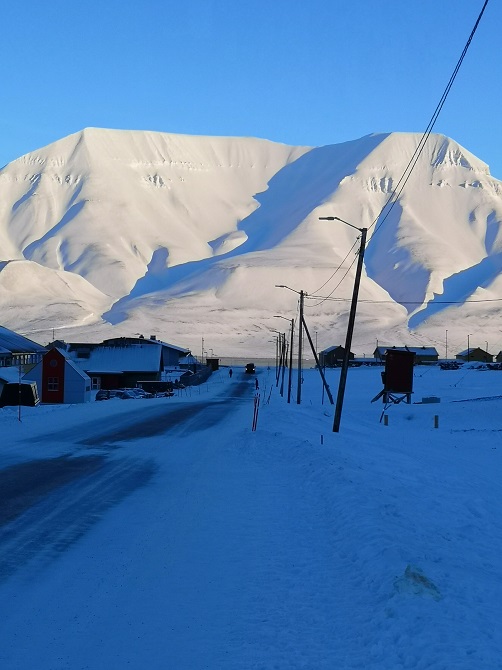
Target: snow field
[{"x": 377, "y": 547}]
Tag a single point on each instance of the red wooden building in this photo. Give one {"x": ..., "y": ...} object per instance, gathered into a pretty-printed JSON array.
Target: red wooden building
[{"x": 59, "y": 380}]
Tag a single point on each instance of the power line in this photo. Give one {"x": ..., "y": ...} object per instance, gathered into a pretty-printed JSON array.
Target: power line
[
  {"x": 396, "y": 192},
  {"x": 321, "y": 298},
  {"x": 418, "y": 151},
  {"x": 338, "y": 268},
  {"x": 402, "y": 301}
]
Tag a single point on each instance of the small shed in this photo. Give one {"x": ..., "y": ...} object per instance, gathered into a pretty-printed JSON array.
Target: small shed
[
  {"x": 474, "y": 354},
  {"x": 213, "y": 363},
  {"x": 14, "y": 390},
  {"x": 59, "y": 380},
  {"x": 19, "y": 393},
  {"x": 332, "y": 357}
]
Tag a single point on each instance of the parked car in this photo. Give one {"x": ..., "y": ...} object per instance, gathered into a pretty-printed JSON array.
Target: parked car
[
  {"x": 106, "y": 394},
  {"x": 141, "y": 393},
  {"x": 449, "y": 365},
  {"x": 138, "y": 392},
  {"x": 125, "y": 394}
]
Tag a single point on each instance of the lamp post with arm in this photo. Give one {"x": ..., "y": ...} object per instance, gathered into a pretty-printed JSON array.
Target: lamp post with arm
[
  {"x": 278, "y": 316},
  {"x": 300, "y": 327},
  {"x": 280, "y": 356},
  {"x": 352, "y": 318}
]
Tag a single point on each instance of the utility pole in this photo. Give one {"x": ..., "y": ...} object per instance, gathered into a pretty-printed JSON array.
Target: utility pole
[
  {"x": 19, "y": 391},
  {"x": 290, "y": 359},
  {"x": 352, "y": 318},
  {"x": 350, "y": 330},
  {"x": 281, "y": 349},
  {"x": 277, "y": 359},
  {"x": 446, "y": 345},
  {"x": 300, "y": 326},
  {"x": 284, "y": 363}
]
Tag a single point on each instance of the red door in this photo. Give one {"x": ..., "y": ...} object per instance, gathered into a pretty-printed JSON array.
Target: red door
[{"x": 53, "y": 365}]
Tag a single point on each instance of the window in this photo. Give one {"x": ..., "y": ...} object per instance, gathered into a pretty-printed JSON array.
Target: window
[{"x": 53, "y": 384}]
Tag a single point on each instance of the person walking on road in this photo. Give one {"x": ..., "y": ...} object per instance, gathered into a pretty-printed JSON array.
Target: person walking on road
[{"x": 230, "y": 373}]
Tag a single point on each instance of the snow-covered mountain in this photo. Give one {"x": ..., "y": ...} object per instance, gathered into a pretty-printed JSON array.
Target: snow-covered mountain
[{"x": 110, "y": 232}]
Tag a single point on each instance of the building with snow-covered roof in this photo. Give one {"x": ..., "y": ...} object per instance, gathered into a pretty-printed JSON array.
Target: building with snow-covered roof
[
  {"x": 474, "y": 354},
  {"x": 113, "y": 367},
  {"x": 16, "y": 349},
  {"x": 333, "y": 356},
  {"x": 59, "y": 379},
  {"x": 170, "y": 353},
  {"x": 121, "y": 362}
]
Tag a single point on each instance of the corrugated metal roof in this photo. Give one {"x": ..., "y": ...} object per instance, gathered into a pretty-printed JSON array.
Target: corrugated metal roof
[
  {"x": 77, "y": 369},
  {"x": 18, "y": 344},
  {"x": 145, "y": 340},
  {"x": 133, "y": 358},
  {"x": 188, "y": 360},
  {"x": 335, "y": 346},
  {"x": 469, "y": 351},
  {"x": 419, "y": 351}
]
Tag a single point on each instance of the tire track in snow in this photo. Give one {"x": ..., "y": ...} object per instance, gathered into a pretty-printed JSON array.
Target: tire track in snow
[{"x": 59, "y": 518}]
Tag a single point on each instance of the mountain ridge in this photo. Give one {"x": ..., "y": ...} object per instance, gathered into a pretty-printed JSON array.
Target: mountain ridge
[{"x": 190, "y": 234}]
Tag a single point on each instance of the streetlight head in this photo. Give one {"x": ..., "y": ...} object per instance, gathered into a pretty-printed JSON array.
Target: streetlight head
[{"x": 327, "y": 218}]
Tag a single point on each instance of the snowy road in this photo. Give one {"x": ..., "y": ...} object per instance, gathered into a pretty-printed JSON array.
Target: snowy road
[{"x": 47, "y": 504}]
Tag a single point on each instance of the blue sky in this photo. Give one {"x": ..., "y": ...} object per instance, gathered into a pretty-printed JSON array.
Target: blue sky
[{"x": 303, "y": 73}]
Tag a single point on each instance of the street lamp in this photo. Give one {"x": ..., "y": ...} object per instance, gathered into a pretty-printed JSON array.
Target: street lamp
[
  {"x": 279, "y": 352},
  {"x": 446, "y": 345},
  {"x": 278, "y": 316},
  {"x": 300, "y": 326},
  {"x": 468, "y": 348},
  {"x": 352, "y": 318}
]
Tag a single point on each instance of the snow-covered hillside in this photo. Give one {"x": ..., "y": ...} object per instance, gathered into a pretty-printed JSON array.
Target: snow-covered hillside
[{"x": 111, "y": 232}]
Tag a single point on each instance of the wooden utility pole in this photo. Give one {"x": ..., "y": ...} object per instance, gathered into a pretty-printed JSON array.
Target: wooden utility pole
[
  {"x": 290, "y": 359},
  {"x": 350, "y": 330},
  {"x": 300, "y": 326}
]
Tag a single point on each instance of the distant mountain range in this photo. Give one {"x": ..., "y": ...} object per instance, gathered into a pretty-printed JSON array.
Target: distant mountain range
[{"x": 107, "y": 233}]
